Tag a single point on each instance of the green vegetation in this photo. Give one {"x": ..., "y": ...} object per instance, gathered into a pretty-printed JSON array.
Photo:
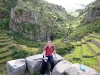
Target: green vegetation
[
  {"x": 94, "y": 47},
  {"x": 5, "y": 8},
  {"x": 79, "y": 42},
  {"x": 73, "y": 43},
  {"x": 86, "y": 51},
  {"x": 96, "y": 38},
  {"x": 91, "y": 62},
  {"x": 77, "y": 52},
  {"x": 69, "y": 57},
  {"x": 10, "y": 49},
  {"x": 86, "y": 55},
  {"x": 99, "y": 58},
  {"x": 83, "y": 41},
  {"x": 14, "y": 45},
  {"x": 61, "y": 47},
  {"x": 87, "y": 38}
]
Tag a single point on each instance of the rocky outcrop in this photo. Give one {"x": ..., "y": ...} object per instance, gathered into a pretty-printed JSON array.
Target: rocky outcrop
[
  {"x": 16, "y": 67},
  {"x": 33, "y": 64},
  {"x": 36, "y": 19}
]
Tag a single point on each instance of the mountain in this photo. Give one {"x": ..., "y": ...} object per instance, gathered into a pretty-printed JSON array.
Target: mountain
[
  {"x": 91, "y": 12},
  {"x": 88, "y": 20},
  {"x": 38, "y": 20},
  {"x": 73, "y": 9}
]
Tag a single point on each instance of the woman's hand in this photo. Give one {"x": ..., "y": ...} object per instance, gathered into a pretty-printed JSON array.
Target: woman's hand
[{"x": 45, "y": 59}]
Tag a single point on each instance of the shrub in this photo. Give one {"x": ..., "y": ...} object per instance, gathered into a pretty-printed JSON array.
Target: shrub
[
  {"x": 21, "y": 54},
  {"x": 4, "y": 23}
]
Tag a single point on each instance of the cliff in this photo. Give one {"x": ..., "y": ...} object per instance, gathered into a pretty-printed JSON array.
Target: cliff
[{"x": 37, "y": 19}]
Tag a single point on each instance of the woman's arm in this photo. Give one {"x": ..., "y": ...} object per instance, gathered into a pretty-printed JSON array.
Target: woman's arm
[
  {"x": 54, "y": 52},
  {"x": 45, "y": 58},
  {"x": 44, "y": 53}
]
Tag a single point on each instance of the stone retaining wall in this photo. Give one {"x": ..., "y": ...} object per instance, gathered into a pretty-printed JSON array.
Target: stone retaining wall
[
  {"x": 84, "y": 56},
  {"x": 77, "y": 38},
  {"x": 93, "y": 37},
  {"x": 96, "y": 43}
]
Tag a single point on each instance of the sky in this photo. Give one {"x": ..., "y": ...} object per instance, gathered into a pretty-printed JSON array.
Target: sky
[{"x": 69, "y": 4}]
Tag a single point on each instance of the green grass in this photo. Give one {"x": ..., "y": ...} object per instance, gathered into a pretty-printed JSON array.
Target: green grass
[
  {"x": 5, "y": 60},
  {"x": 76, "y": 61},
  {"x": 94, "y": 47},
  {"x": 5, "y": 43},
  {"x": 96, "y": 39},
  {"x": 73, "y": 43},
  {"x": 87, "y": 38},
  {"x": 78, "y": 42},
  {"x": 99, "y": 58},
  {"x": 91, "y": 62},
  {"x": 3, "y": 37},
  {"x": 59, "y": 43},
  {"x": 83, "y": 41},
  {"x": 86, "y": 51},
  {"x": 1, "y": 41},
  {"x": 69, "y": 57},
  {"x": 77, "y": 52},
  {"x": 6, "y": 54},
  {"x": 95, "y": 35}
]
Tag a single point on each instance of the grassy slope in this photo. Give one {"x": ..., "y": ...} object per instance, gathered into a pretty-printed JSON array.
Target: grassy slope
[
  {"x": 85, "y": 51},
  {"x": 77, "y": 52},
  {"x": 94, "y": 47}
]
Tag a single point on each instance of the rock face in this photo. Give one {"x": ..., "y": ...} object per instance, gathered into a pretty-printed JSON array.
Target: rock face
[
  {"x": 16, "y": 67},
  {"x": 75, "y": 70},
  {"x": 36, "y": 19},
  {"x": 34, "y": 62}
]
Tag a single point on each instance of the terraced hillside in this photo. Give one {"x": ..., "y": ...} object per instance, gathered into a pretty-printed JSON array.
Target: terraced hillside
[
  {"x": 7, "y": 50},
  {"x": 10, "y": 49},
  {"x": 86, "y": 51}
]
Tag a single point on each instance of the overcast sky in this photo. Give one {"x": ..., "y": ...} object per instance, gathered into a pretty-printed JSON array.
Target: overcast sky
[{"x": 68, "y": 4}]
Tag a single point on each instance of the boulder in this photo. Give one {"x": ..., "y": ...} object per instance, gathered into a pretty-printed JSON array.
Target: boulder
[
  {"x": 75, "y": 70},
  {"x": 59, "y": 69},
  {"x": 34, "y": 62},
  {"x": 57, "y": 59},
  {"x": 16, "y": 67}
]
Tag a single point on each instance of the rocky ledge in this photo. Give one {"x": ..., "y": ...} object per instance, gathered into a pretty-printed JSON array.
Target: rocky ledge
[{"x": 33, "y": 64}]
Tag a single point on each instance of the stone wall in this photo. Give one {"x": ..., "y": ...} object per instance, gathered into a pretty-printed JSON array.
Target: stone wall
[{"x": 96, "y": 43}]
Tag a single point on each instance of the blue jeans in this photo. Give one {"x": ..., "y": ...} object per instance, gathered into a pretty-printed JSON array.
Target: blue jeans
[{"x": 51, "y": 61}]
